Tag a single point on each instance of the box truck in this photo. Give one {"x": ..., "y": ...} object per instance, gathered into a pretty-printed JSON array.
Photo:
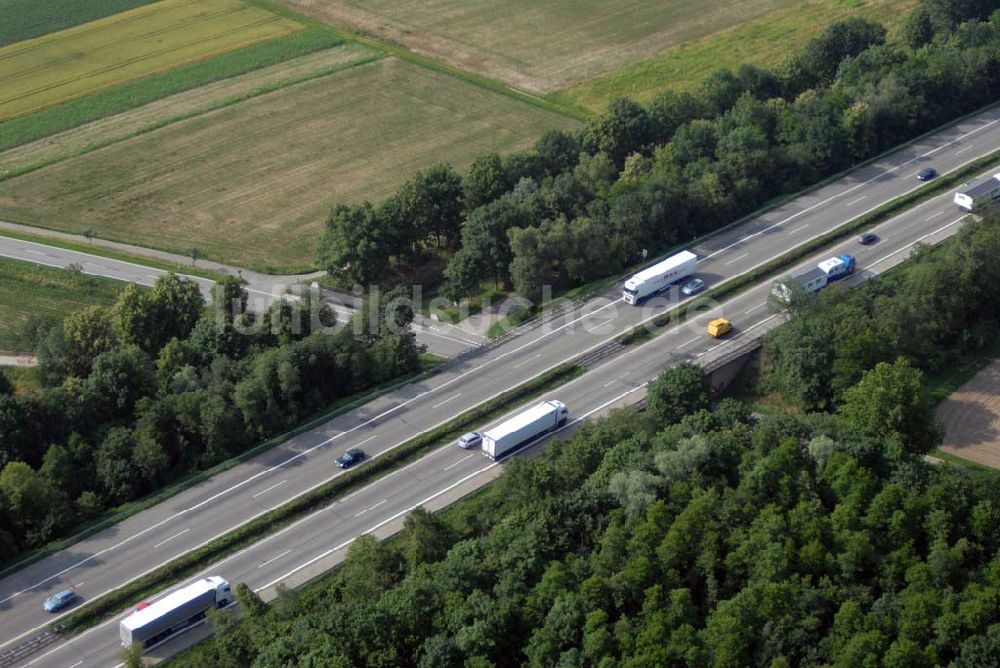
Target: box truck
[
  {"x": 818, "y": 277},
  {"x": 978, "y": 193},
  {"x": 174, "y": 612},
  {"x": 650, "y": 281},
  {"x": 523, "y": 427}
]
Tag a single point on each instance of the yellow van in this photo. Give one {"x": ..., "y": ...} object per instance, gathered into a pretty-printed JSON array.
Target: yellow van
[{"x": 719, "y": 327}]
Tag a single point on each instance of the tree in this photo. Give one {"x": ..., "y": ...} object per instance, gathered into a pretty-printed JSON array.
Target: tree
[
  {"x": 150, "y": 318},
  {"x": 678, "y": 391},
  {"x": 917, "y": 29},
  {"x": 230, "y": 298},
  {"x": 484, "y": 182},
  {"x": 558, "y": 151},
  {"x": 623, "y": 129},
  {"x": 527, "y": 269},
  {"x": 119, "y": 378},
  {"x": 426, "y": 538},
  {"x": 86, "y": 334},
  {"x": 116, "y": 473},
  {"x": 353, "y": 245},
  {"x": 195, "y": 254},
  {"x": 249, "y": 601},
  {"x": 37, "y": 506},
  {"x": 890, "y": 402},
  {"x": 432, "y": 203},
  {"x": 89, "y": 234}
]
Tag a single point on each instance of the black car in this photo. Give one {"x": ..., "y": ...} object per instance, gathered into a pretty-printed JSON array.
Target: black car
[
  {"x": 350, "y": 458},
  {"x": 926, "y": 174},
  {"x": 867, "y": 238}
]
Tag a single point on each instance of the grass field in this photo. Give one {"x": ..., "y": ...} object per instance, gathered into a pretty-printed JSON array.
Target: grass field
[
  {"x": 763, "y": 41},
  {"x": 178, "y": 106},
  {"x": 132, "y": 94},
  {"x": 64, "y": 65},
  {"x": 537, "y": 46},
  {"x": 24, "y": 19},
  {"x": 28, "y": 289},
  {"x": 254, "y": 181}
]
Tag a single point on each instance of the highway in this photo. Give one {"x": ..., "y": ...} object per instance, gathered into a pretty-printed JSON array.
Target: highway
[{"x": 198, "y": 514}]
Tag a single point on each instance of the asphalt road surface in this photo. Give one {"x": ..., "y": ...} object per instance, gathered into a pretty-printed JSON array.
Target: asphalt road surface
[
  {"x": 440, "y": 338},
  {"x": 197, "y": 515}
]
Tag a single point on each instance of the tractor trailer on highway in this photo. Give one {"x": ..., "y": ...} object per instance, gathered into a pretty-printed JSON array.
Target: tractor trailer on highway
[
  {"x": 523, "y": 427},
  {"x": 174, "y": 612},
  {"x": 978, "y": 193},
  {"x": 653, "y": 279},
  {"x": 816, "y": 278}
]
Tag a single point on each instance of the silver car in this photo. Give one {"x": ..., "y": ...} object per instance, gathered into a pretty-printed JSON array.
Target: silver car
[
  {"x": 693, "y": 286},
  {"x": 470, "y": 440}
]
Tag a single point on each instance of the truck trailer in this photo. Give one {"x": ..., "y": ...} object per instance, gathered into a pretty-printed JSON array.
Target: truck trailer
[
  {"x": 653, "y": 279},
  {"x": 818, "y": 277},
  {"x": 523, "y": 427},
  {"x": 978, "y": 193},
  {"x": 174, "y": 612}
]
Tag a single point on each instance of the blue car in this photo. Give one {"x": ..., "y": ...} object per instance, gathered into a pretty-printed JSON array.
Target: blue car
[
  {"x": 350, "y": 458},
  {"x": 59, "y": 600}
]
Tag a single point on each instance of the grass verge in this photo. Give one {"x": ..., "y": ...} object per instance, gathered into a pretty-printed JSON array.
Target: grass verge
[
  {"x": 729, "y": 288},
  {"x": 963, "y": 463},
  {"x": 112, "y": 602},
  {"x": 32, "y": 291},
  {"x": 141, "y": 91}
]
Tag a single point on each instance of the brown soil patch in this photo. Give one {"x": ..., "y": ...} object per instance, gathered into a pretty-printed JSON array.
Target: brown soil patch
[{"x": 971, "y": 418}]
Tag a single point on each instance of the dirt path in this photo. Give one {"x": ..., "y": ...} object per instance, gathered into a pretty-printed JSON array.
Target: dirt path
[
  {"x": 200, "y": 99},
  {"x": 971, "y": 418}
]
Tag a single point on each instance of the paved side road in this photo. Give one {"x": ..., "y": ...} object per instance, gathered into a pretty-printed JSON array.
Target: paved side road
[{"x": 440, "y": 338}]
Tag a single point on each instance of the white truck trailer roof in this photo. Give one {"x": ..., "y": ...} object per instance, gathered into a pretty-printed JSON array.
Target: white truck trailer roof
[
  {"x": 522, "y": 420},
  {"x": 140, "y": 618},
  {"x": 650, "y": 273}
]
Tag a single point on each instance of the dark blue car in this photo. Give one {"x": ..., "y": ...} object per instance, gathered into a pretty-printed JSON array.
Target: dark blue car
[{"x": 350, "y": 458}]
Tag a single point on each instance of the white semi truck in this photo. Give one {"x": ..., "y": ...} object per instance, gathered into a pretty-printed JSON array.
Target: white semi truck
[
  {"x": 174, "y": 612},
  {"x": 978, "y": 193},
  {"x": 653, "y": 279},
  {"x": 523, "y": 427}
]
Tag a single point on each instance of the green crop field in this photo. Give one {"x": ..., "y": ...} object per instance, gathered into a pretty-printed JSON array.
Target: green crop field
[
  {"x": 764, "y": 41},
  {"x": 31, "y": 290},
  {"x": 136, "y": 93},
  {"x": 24, "y": 19},
  {"x": 253, "y": 182},
  {"x": 64, "y": 65},
  {"x": 538, "y": 46}
]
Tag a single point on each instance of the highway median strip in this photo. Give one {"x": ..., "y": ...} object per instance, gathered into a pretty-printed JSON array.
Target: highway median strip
[{"x": 114, "y": 602}]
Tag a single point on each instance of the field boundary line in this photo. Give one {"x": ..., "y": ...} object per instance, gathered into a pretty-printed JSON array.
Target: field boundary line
[
  {"x": 426, "y": 62},
  {"x": 364, "y": 58}
]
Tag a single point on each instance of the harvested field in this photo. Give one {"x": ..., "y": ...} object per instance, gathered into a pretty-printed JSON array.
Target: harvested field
[
  {"x": 211, "y": 96},
  {"x": 971, "y": 418},
  {"x": 70, "y": 63},
  {"x": 765, "y": 42},
  {"x": 251, "y": 184},
  {"x": 537, "y": 46},
  {"x": 30, "y": 290}
]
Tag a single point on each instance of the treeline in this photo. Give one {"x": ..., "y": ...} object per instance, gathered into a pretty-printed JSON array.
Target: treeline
[
  {"x": 156, "y": 386},
  {"x": 944, "y": 303},
  {"x": 584, "y": 204},
  {"x": 682, "y": 537}
]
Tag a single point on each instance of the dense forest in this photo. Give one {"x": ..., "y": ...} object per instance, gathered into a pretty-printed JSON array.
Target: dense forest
[
  {"x": 157, "y": 385},
  {"x": 703, "y": 535},
  {"x": 583, "y": 205}
]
